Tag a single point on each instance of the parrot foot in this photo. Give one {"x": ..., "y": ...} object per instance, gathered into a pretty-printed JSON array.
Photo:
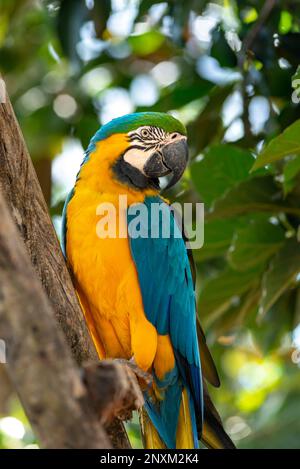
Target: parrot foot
[{"x": 143, "y": 377}]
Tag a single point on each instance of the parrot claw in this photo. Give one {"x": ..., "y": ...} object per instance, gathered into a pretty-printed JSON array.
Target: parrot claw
[{"x": 141, "y": 375}]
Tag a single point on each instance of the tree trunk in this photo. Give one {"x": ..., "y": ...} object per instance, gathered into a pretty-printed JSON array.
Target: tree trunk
[
  {"x": 20, "y": 186},
  {"x": 42, "y": 166},
  {"x": 39, "y": 362}
]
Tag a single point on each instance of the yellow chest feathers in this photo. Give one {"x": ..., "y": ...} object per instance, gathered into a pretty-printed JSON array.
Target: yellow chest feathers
[{"x": 99, "y": 264}]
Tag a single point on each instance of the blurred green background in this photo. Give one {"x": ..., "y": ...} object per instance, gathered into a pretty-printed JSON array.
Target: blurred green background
[{"x": 228, "y": 70}]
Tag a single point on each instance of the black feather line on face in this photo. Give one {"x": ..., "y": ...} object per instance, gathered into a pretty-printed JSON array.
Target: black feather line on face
[
  {"x": 154, "y": 138},
  {"x": 136, "y": 147},
  {"x": 134, "y": 137},
  {"x": 132, "y": 177},
  {"x": 149, "y": 146}
]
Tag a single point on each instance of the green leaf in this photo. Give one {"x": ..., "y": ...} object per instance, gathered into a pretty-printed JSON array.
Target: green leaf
[
  {"x": 72, "y": 16},
  {"x": 249, "y": 15},
  {"x": 217, "y": 238},
  {"x": 290, "y": 171},
  {"x": 281, "y": 313},
  {"x": 221, "y": 50},
  {"x": 220, "y": 169},
  {"x": 238, "y": 315},
  {"x": 286, "y": 22},
  {"x": 181, "y": 93},
  {"x": 281, "y": 275},
  {"x": 285, "y": 144},
  {"x": 221, "y": 292},
  {"x": 296, "y": 86},
  {"x": 255, "y": 244},
  {"x": 281, "y": 428},
  {"x": 259, "y": 194},
  {"x": 296, "y": 76},
  {"x": 146, "y": 43},
  {"x": 57, "y": 208}
]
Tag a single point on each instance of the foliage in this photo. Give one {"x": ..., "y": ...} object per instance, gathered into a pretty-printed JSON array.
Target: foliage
[{"x": 228, "y": 70}]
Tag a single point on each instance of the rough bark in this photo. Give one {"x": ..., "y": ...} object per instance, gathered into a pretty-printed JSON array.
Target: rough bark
[
  {"x": 120, "y": 393},
  {"x": 26, "y": 203},
  {"x": 42, "y": 166},
  {"x": 39, "y": 361}
]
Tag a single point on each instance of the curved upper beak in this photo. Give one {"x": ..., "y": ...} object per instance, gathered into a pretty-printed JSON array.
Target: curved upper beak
[{"x": 170, "y": 159}]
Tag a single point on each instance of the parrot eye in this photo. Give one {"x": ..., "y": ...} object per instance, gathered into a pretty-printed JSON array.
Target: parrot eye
[{"x": 145, "y": 133}]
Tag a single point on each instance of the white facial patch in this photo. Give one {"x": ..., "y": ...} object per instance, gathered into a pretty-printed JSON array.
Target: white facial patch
[{"x": 137, "y": 158}]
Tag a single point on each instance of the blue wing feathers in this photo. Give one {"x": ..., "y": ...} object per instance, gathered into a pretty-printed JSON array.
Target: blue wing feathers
[{"x": 169, "y": 301}]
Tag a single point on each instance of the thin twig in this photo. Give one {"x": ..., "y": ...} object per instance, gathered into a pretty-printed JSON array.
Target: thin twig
[
  {"x": 244, "y": 54},
  {"x": 253, "y": 33}
]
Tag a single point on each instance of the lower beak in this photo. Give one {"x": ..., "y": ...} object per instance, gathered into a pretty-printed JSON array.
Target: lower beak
[{"x": 171, "y": 159}]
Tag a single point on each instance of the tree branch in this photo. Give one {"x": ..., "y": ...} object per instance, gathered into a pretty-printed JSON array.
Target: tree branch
[
  {"x": 250, "y": 38},
  {"x": 26, "y": 203},
  {"x": 39, "y": 362},
  {"x": 120, "y": 393}
]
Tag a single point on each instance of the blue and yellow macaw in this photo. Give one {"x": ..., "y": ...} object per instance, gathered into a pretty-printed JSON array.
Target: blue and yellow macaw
[{"x": 138, "y": 293}]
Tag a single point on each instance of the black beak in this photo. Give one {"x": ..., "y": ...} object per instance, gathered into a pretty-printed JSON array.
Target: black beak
[{"x": 172, "y": 158}]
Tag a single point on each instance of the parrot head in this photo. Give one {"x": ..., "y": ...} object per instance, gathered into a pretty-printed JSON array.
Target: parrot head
[{"x": 151, "y": 145}]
